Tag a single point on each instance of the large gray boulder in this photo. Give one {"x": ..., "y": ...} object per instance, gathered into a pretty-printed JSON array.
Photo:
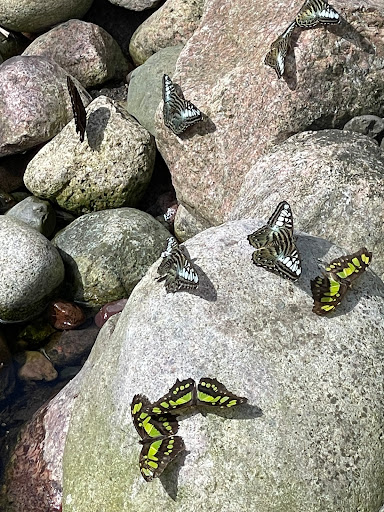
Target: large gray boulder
[
  {"x": 108, "y": 252},
  {"x": 30, "y": 271},
  {"x": 111, "y": 168},
  {"x": 334, "y": 182},
  {"x": 317, "y": 380}
]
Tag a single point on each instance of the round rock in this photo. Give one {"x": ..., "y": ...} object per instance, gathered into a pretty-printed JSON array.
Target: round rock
[
  {"x": 30, "y": 271},
  {"x": 36, "y": 213}
]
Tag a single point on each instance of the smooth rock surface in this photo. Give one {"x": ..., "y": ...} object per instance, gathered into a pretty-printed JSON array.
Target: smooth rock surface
[
  {"x": 36, "y": 213},
  {"x": 317, "y": 380},
  {"x": 27, "y": 16},
  {"x": 221, "y": 70},
  {"x": 334, "y": 182},
  {"x": 136, "y": 5},
  {"x": 35, "y": 366},
  {"x": 172, "y": 24},
  {"x": 35, "y": 102},
  {"x": 111, "y": 168},
  {"x": 108, "y": 252},
  {"x": 30, "y": 271},
  {"x": 84, "y": 50},
  {"x": 145, "y": 86}
]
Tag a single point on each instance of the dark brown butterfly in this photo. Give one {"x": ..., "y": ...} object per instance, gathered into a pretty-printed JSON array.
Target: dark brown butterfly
[{"x": 79, "y": 112}]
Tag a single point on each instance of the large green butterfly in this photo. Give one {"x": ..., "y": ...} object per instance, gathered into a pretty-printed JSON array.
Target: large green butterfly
[
  {"x": 329, "y": 289},
  {"x": 160, "y": 445},
  {"x": 185, "y": 394}
]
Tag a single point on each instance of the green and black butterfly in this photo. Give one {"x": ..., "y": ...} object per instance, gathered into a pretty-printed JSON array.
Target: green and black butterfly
[
  {"x": 275, "y": 246},
  {"x": 279, "y": 49},
  {"x": 176, "y": 268},
  {"x": 160, "y": 445},
  {"x": 185, "y": 394},
  {"x": 314, "y": 12},
  {"x": 329, "y": 289},
  {"x": 79, "y": 112}
]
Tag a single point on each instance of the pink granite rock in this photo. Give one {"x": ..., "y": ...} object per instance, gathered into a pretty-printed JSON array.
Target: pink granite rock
[{"x": 333, "y": 74}]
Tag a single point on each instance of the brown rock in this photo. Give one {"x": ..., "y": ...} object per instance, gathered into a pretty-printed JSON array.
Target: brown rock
[
  {"x": 109, "y": 310},
  {"x": 65, "y": 315},
  {"x": 71, "y": 348},
  {"x": 332, "y": 76},
  {"x": 35, "y": 366}
]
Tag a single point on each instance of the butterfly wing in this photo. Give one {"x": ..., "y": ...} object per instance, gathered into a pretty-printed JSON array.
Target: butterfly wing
[
  {"x": 327, "y": 293},
  {"x": 285, "y": 263},
  {"x": 151, "y": 426},
  {"x": 314, "y": 12},
  {"x": 275, "y": 58},
  {"x": 180, "y": 395},
  {"x": 212, "y": 392},
  {"x": 178, "y": 113},
  {"x": 157, "y": 454},
  {"x": 176, "y": 268},
  {"x": 350, "y": 267},
  {"x": 79, "y": 112}
]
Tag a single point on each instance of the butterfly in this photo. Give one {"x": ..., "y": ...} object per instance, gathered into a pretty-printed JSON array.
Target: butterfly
[
  {"x": 179, "y": 114},
  {"x": 279, "y": 49},
  {"x": 185, "y": 393},
  {"x": 314, "y": 12},
  {"x": 79, "y": 112},
  {"x": 329, "y": 289},
  {"x": 176, "y": 268},
  {"x": 159, "y": 444},
  {"x": 275, "y": 247}
]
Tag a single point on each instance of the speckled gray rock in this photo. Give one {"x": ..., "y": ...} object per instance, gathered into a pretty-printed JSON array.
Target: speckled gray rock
[
  {"x": 366, "y": 125},
  {"x": 84, "y": 50},
  {"x": 187, "y": 225},
  {"x": 136, "y": 5},
  {"x": 145, "y": 85},
  {"x": 317, "y": 380},
  {"x": 172, "y": 24},
  {"x": 30, "y": 271},
  {"x": 35, "y": 102},
  {"x": 221, "y": 70},
  {"x": 334, "y": 182},
  {"x": 108, "y": 252},
  {"x": 27, "y": 16},
  {"x": 36, "y": 213},
  {"x": 111, "y": 168}
]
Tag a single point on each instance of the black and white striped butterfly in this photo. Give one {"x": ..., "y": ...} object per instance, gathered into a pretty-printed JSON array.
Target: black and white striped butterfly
[
  {"x": 79, "y": 112},
  {"x": 279, "y": 49},
  {"x": 176, "y": 269},
  {"x": 275, "y": 246},
  {"x": 314, "y": 12},
  {"x": 179, "y": 114}
]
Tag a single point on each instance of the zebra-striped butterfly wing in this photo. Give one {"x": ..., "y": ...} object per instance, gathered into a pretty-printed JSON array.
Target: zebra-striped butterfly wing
[
  {"x": 178, "y": 113},
  {"x": 276, "y": 250},
  {"x": 275, "y": 58},
  {"x": 314, "y": 12},
  {"x": 176, "y": 269}
]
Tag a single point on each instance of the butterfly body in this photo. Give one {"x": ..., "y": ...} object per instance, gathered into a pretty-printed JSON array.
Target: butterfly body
[
  {"x": 79, "y": 112},
  {"x": 314, "y": 12},
  {"x": 275, "y": 248},
  {"x": 329, "y": 289},
  {"x": 176, "y": 269},
  {"x": 275, "y": 58},
  {"x": 178, "y": 113}
]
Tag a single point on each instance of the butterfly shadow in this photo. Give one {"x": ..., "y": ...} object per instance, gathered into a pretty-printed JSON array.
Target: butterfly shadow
[
  {"x": 96, "y": 124},
  {"x": 241, "y": 412},
  {"x": 206, "y": 125},
  {"x": 206, "y": 290},
  {"x": 290, "y": 74},
  {"x": 315, "y": 267},
  {"x": 170, "y": 476},
  {"x": 346, "y": 31}
]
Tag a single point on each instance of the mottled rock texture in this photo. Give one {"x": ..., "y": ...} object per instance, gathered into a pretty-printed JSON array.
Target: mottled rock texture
[
  {"x": 107, "y": 253},
  {"x": 334, "y": 182},
  {"x": 36, "y": 213},
  {"x": 333, "y": 74},
  {"x": 111, "y": 168},
  {"x": 35, "y": 366},
  {"x": 172, "y": 24},
  {"x": 136, "y": 5},
  {"x": 84, "y": 50},
  {"x": 317, "y": 380},
  {"x": 145, "y": 86},
  {"x": 35, "y": 104},
  {"x": 27, "y": 16},
  {"x": 30, "y": 271},
  {"x": 367, "y": 125}
]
